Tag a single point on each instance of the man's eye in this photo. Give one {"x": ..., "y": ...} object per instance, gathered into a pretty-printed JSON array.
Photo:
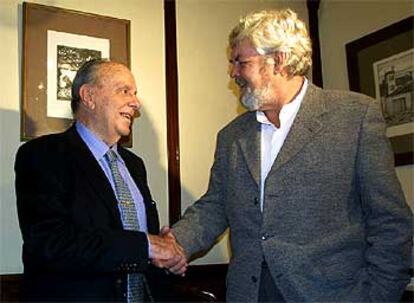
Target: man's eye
[{"x": 237, "y": 63}]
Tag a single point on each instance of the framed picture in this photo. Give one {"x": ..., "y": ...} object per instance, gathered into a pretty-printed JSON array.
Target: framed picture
[
  {"x": 56, "y": 42},
  {"x": 381, "y": 65}
]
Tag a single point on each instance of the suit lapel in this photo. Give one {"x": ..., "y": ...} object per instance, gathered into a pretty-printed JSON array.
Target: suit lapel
[
  {"x": 93, "y": 173},
  {"x": 306, "y": 125},
  {"x": 249, "y": 141}
]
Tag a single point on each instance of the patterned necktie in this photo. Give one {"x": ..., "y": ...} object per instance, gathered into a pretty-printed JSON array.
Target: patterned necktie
[{"x": 129, "y": 221}]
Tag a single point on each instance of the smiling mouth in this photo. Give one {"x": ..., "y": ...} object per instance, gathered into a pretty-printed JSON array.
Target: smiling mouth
[
  {"x": 241, "y": 82},
  {"x": 127, "y": 116}
]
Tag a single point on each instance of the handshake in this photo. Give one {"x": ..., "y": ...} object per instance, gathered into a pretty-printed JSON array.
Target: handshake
[{"x": 167, "y": 253}]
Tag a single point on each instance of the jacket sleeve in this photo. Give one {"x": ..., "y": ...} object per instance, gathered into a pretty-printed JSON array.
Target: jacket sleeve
[
  {"x": 388, "y": 219},
  {"x": 47, "y": 208},
  {"x": 205, "y": 220}
]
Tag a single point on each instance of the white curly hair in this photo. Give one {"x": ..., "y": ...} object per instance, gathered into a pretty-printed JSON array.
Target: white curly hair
[{"x": 277, "y": 31}]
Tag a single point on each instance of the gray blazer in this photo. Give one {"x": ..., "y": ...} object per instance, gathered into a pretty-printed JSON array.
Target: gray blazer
[{"x": 335, "y": 225}]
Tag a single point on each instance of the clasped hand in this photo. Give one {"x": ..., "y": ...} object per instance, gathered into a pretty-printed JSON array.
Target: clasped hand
[{"x": 167, "y": 253}]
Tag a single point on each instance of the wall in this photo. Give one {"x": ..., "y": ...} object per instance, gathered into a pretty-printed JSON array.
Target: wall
[
  {"x": 147, "y": 56},
  {"x": 207, "y": 101},
  {"x": 199, "y": 59},
  {"x": 206, "y": 94},
  {"x": 204, "y": 88},
  {"x": 341, "y": 22}
]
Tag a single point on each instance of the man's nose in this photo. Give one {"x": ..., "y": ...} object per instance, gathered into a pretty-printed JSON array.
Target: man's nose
[
  {"x": 233, "y": 70},
  {"x": 135, "y": 102}
]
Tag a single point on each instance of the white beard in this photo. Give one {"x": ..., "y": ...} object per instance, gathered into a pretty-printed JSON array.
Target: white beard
[
  {"x": 249, "y": 99},
  {"x": 253, "y": 100}
]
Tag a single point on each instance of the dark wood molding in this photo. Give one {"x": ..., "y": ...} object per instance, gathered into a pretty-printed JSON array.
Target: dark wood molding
[
  {"x": 403, "y": 149},
  {"x": 202, "y": 283},
  {"x": 173, "y": 137},
  {"x": 209, "y": 279},
  {"x": 10, "y": 287},
  {"x": 313, "y": 7},
  {"x": 208, "y": 282}
]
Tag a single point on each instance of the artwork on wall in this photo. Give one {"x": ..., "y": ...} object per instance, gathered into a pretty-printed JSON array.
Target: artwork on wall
[
  {"x": 56, "y": 42},
  {"x": 66, "y": 53},
  {"x": 381, "y": 65},
  {"x": 394, "y": 87}
]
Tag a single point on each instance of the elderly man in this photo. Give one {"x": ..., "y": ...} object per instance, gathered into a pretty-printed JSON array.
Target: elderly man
[
  {"x": 305, "y": 181},
  {"x": 85, "y": 209}
]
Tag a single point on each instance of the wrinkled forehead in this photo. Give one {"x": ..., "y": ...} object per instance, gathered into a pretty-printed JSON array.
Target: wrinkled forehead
[
  {"x": 113, "y": 71},
  {"x": 242, "y": 49}
]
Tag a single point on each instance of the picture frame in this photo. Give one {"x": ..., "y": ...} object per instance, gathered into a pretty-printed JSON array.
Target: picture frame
[
  {"x": 56, "y": 42},
  {"x": 381, "y": 65}
]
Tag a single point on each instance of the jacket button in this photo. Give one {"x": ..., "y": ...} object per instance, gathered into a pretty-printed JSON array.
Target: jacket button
[
  {"x": 118, "y": 281},
  {"x": 264, "y": 237},
  {"x": 254, "y": 279}
]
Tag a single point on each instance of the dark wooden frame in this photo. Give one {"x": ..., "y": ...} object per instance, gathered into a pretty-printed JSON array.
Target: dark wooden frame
[
  {"x": 313, "y": 9},
  {"x": 385, "y": 40},
  {"x": 37, "y": 19},
  {"x": 173, "y": 138}
]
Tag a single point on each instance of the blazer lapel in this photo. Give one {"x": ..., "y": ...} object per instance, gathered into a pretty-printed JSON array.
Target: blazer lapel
[
  {"x": 306, "y": 125},
  {"x": 249, "y": 141},
  {"x": 93, "y": 173}
]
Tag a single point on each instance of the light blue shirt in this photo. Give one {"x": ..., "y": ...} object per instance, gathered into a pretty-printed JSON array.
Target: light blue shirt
[{"x": 99, "y": 149}]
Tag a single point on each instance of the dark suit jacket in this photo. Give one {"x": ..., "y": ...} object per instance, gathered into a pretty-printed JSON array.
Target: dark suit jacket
[
  {"x": 335, "y": 226},
  {"x": 74, "y": 247}
]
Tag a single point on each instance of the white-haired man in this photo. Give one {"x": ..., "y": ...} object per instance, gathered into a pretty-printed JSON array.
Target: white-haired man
[
  {"x": 87, "y": 217},
  {"x": 305, "y": 181}
]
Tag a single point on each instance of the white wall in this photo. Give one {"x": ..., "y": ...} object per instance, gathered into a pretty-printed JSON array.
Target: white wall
[
  {"x": 147, "y": 56},
  {"x": 206, "y": 103},
  {"x": 341, "y": 22},
  {"x": 206, "y": 100}
]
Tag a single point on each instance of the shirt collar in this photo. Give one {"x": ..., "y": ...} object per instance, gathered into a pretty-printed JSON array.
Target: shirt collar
[
  {"x": 288, "y": 109},
  {"x": 98, "y": 147}
]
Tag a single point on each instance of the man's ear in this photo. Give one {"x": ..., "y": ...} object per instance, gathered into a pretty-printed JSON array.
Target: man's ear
[
  {"x": 86, "y": 93},
  {"x": 279, "y": 59}
]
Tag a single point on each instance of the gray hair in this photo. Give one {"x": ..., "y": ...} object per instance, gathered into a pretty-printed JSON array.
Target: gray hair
[
  {"x": 87, "y": 74},
  {"x": 277, "y": 31}
]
